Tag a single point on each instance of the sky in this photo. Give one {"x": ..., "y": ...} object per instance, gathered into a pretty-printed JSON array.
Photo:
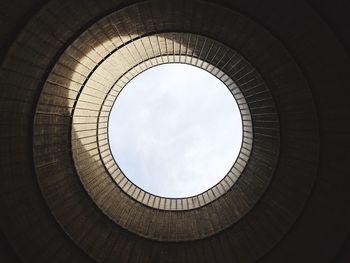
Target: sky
[{"x": 175, "y": 130}]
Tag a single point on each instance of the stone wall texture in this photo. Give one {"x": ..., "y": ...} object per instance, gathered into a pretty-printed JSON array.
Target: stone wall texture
[{"x": 62, "y": 198}]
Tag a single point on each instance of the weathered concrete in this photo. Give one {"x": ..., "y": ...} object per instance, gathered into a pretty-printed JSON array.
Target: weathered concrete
[{"x": 302, "y": 63}]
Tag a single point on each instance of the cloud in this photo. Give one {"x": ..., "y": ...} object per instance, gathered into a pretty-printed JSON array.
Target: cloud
[{"x": 175, "y": 130}]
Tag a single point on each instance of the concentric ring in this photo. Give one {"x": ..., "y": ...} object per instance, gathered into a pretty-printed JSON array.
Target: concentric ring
[
  {"x": 111, "y": 191},
  {"x": 261, "y": 191},
  {"x": 175, "y": 57}
]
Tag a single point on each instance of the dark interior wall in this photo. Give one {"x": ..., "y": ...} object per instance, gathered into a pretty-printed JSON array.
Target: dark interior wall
[
  {"x": 343, "y": 255},
  {"x": 7, "y": 254},
  {"x": 336, "y": 15},
  {"x": 13, "y": 16},
  {"x": 328, "y": 207},
  {"x": 329, "y": 199}
]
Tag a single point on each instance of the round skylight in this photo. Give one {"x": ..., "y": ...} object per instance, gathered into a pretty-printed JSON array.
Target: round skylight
[{"x": 175, "y": 130}]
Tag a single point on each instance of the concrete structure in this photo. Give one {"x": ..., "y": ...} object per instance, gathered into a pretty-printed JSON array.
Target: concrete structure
[{"x": 63, "y": 198}]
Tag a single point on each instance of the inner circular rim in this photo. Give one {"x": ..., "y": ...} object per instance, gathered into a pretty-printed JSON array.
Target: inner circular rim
[
  {"x": 208, "y": 196},
  {"x": 96, "y": 170},
  {"x": 235, "y": 146}
]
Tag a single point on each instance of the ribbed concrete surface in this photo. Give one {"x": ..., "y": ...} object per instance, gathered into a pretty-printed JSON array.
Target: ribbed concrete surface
[
  {"x": 89, "y": 154},
  {"x": 93, "y": 107},
  {"x": 289, "y": 58}
]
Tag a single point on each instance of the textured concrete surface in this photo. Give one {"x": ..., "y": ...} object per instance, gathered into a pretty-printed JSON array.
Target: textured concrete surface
[
  {"x": 303, "y": 215},
  {"x": 95, "y": 165}
]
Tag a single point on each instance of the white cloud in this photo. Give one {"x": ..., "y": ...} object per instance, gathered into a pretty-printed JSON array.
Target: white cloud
[{"x": 175, "y": 130}]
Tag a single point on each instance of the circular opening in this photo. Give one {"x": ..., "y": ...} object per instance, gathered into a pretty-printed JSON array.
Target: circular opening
[{"x": 175, "y": 130}]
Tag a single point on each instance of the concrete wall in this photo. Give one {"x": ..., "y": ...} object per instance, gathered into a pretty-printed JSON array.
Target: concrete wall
[{"x": 301, "y": 51}]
